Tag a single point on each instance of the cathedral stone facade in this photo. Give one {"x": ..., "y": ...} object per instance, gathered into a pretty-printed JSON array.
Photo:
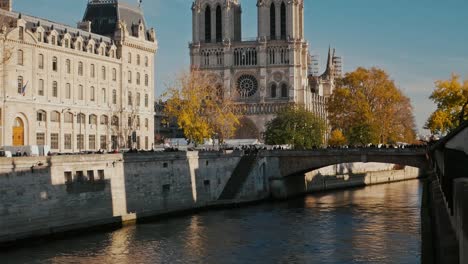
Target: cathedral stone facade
[
  {"x": 77, "y": 89},
  {"x": 263, "y": 75}
]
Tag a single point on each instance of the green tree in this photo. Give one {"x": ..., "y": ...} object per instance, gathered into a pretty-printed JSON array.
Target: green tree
[
  {"x": 297, "y": 127},
  {"x": 451, "y": 97},
  {"x": 369, "y": 108}
]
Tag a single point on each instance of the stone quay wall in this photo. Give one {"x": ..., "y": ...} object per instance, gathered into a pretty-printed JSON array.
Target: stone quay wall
[{"x": 40, "y": 196}]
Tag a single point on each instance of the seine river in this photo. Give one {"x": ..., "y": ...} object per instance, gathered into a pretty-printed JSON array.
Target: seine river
[{"x": 378, "y": 224}]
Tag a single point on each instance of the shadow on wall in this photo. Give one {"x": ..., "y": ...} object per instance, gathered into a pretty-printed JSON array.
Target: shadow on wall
[{"x": 44, "y": 195}]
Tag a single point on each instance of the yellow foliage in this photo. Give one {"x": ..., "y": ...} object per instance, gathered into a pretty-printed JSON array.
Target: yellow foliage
[
  {"x": 337, "y": 138},
  {"x": 200, "y": 108},
  {"x": 451, "y": 97}
]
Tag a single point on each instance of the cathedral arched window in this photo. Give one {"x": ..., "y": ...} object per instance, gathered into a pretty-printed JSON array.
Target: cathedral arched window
[
  {"x": 272, "y": 21},
  {"x": 208, "y": 24},
  {"x": 219, "y": 24},
  {"x": 283, "y": 21},
  {"x": 284, "y": 90},
  {"x": 273, "y": 91}
]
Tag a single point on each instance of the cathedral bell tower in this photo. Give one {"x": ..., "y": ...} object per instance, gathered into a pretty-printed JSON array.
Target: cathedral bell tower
[
  {"x": 215, "y": 21},
  {"x": 280, "y": 19}
]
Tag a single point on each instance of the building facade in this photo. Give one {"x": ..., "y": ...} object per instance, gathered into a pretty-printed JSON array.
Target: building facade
[
  {"x": 262, "y": 75},
  {"x": 78, "y": 89}
]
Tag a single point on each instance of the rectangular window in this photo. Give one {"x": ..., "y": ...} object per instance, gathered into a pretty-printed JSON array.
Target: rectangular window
[
  {"x": 20, "y": 84},
  {"x": 40, "y": 89},
  {"x": 92, "y": 142},
  {"x": 80, "y": 92},
  {"x": 41, "y": 61},
  {"x": 92, "y": 71},
  {"x": 130, "y": 101},
  {"x": 68, "y": 141},
  {"x": 80, "y": 177},
  {"x": 68, "y": 177},
  {"x": 91, "y": 175},
  {"x": 54, "y": 141},
  {"x": 91, "y": 94},
  {"x": 138, "y": 143},
  {"x": 114, "y": 74},
  {"x": 40, "y": 139},
  {"x": 68, "y": 91},
  {"x": 101, "y": 175},
  {"x": 20, "y": 57},
  {"x": 103, "y": 142},
  {"x": 80, "y": 141},
  {"x": 55, "y": 64},
  {"x": 146, "y": 143},
  {"x": 54, "y": 89}
]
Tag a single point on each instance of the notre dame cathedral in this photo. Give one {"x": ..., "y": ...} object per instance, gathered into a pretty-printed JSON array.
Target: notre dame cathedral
[{"x": 265, "y": 74}]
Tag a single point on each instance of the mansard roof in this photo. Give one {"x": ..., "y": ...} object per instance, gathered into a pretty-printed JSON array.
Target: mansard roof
[
  {"x": 104, "y": 15},
  {"x": 32, "y": 23}
]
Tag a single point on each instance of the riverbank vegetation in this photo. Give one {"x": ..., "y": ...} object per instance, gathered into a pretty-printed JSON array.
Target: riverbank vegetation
[
  {"x": 201, "y": 108},
  {"x": 367, "y": 107},
  {"x": 451, "y": 98},
  {"x": 297, "y": 127}
]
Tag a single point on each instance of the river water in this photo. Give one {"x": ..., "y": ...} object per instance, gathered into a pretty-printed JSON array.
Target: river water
[{"x": 377, "y": 224}]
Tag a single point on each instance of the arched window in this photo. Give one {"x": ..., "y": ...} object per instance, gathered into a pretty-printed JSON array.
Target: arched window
[
  {"x": 283, "y": 21},
  {"x": 114, "y": 96},
  {"x": 54, "y": 64},
  {"x": 114, "y": 74},
  {"x": 80, "y": 68},
  {"x": 20, "y": 57},
  {"x": 68, "y": 118},
  {"x": 81, "y": 119},
  {"x": 41, "y": 116},
  {"x": 129, "y": 77},
  {"x": 284, "y": 90},
  {"x": 104, "y": 120},
  {"x": 93, "y": 120},
  {"x": 146, "y": 100},
  {"x": 146, "y": 123},
  {"x": 68, "y": 65},
  {"x": 129, "y": 57},
  {"x": 146, "y": 61},
  {"x": 208, "y": 24},
  {"x": 272, "y": 21},
  {"x": 219, "y": 24},
  {"x": 115, "y": 121},
  {"x": 146, "y": 80},
  {"x": 68, "y": 91},
  {"x": 273, "y": 91},
  {"x": 91, "y": 94},
  {"x": 21, "y": 33},
  {"x": 138, "y": 78},
  {"x": 138, "y": 59},
  {"x": 92, "y": 71},
  {"x": 55, "y": 117}
]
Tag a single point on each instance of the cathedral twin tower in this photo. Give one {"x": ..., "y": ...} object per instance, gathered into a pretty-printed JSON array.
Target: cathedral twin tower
[{"x": 262, "y": 75}]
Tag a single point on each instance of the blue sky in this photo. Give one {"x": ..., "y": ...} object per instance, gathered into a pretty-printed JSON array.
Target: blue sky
[{"x": 415, "y": 41}]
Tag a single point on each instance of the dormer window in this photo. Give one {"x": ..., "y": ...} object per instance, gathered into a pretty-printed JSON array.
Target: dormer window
[
  {"x": 67, "y": 43},
  {"x": 79, "y": 46},
  {"x": 112, "y": 54},
  {"x": 39, "y": 37},
  {"x": 53, "y": 40}
]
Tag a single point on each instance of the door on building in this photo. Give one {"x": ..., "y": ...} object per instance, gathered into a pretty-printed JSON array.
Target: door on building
[{"x": 18, "y": 132}]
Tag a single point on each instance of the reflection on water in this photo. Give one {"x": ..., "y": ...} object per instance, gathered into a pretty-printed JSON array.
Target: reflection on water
[{"x": 378, "y": 224}]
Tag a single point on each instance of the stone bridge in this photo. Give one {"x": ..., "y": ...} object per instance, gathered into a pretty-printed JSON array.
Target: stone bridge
[{"x": 292, "y": 162}]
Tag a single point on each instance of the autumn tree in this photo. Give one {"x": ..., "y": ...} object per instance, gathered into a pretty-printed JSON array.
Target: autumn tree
[
  {"x": 337, "y": 138},
  {"x": 368, "y": 108},
  {"x": 451, "y": 97},
  {"x": 297, "y": 127},
  {"x": 200, "y": 108}
]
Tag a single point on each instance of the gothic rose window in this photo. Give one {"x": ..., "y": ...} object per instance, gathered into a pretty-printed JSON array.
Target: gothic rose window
[{"x": 247, "y": 86}]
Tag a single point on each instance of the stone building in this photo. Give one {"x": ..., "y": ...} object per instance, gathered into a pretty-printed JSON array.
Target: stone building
[
  {"x": 264, "y": 74},
  {"x": 77, "y": 89}
]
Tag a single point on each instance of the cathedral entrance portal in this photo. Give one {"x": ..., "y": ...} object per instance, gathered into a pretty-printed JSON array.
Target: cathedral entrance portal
[{"x": 18, "y": 132}]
